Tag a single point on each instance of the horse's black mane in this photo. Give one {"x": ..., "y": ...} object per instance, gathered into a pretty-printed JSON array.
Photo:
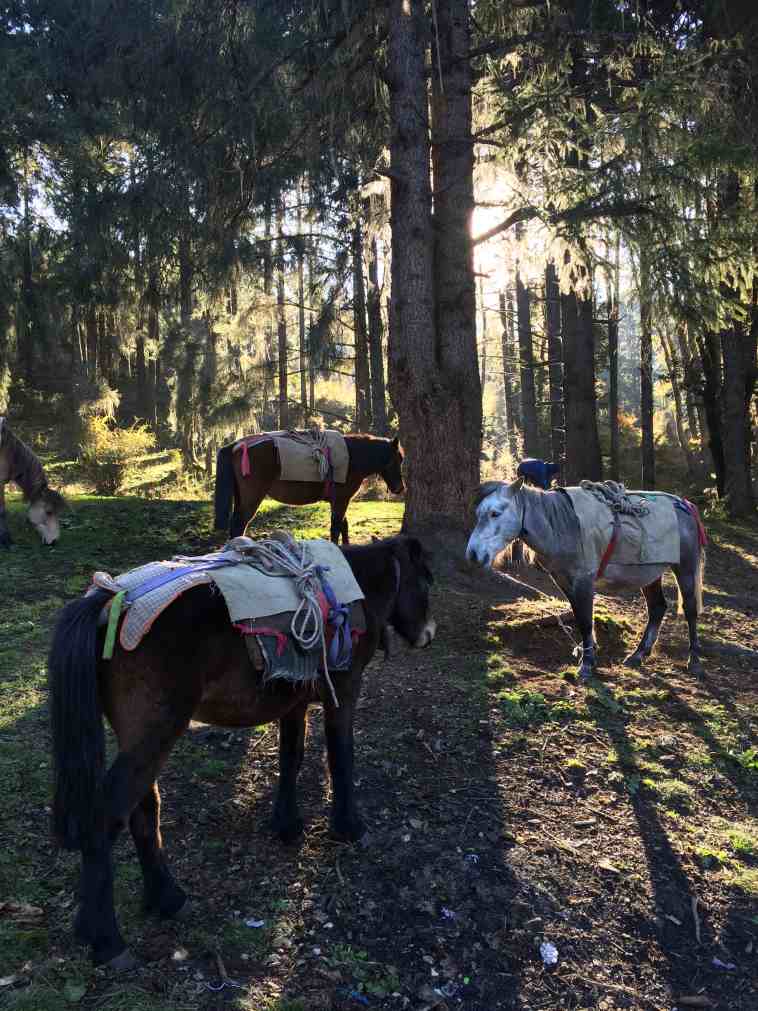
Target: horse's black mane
[
  {"x": 559, "y": 514},
  {"x": 369, "y": 454}
]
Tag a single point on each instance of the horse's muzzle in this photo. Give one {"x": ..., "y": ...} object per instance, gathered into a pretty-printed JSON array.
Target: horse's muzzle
[{"x": 427, "y": 635}]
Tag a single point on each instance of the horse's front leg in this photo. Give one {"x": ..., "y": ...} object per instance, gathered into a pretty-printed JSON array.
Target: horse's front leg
[
  {"x": 339, "y": 523},
  {"x": 581, "y": 596},
  {"x": 346, "y": 821},
  {"x": 5, "y": 537},
  {"x": 656, "y": 609},
  {"x": 286, "y": 820}
]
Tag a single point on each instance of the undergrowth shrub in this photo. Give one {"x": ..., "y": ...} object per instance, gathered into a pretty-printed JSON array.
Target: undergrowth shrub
[{"x": 109, "y": 454}]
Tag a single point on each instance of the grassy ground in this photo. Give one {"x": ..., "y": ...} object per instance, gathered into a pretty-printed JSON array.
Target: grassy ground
[{"x": 508, "y": 807}]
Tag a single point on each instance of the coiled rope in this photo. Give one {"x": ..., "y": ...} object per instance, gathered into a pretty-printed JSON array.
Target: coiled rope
[{"x": 615, "y": 496}]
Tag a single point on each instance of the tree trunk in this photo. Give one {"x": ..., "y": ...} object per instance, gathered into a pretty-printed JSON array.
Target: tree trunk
[
  {"x": 673, "y": 368},
  {"x": 483, "y": 356},
  {"x": 526, "y": 362},
  {"x": 185, "y": 280},
  {"x": 612, "y": 285},
  {"x": 506, "y": 317},
  {"x": 268, "y": 259},
  {"x": 555, "y": 368},
  {"x": 92, "y": 341},
  {"x": 281, "y": 325},
  {"x": 710, "y": 356},
  {"x": 583, "y": 459},
  {"x": 362, "y": 375},
  {"x": 735, "y": 408},
  {"x": 375, "y": 328},
  {"x": 646, "y": 370},
  {"x": 434, "y": 378},
  {"x": 301, "y": 313}
]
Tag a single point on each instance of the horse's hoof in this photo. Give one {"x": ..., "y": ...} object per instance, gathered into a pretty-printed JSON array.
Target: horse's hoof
[
  {"x": 123, "y": 962},
  {"x": 291, "y": 832},
  {"x": 694, "y": 666},
  {"x": 633, "y": 660},
  {"x": 586, "y": 673},
  {"x": 351, "y": 830}
]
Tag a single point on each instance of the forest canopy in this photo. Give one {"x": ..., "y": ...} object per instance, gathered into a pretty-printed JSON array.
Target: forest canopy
[{"x": 501, "y": 229}]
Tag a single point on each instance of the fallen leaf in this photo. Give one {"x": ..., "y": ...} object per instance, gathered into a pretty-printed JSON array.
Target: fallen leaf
[
  {"x": 606, "y": 865},
  {"x": 8, "y": 980},
  {"x": 21, "y": 912}
]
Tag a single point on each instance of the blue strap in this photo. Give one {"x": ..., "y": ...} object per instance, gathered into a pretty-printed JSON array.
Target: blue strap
[
  {"x": 168, "y": 577},
  {"x": 341, "y": 646}
]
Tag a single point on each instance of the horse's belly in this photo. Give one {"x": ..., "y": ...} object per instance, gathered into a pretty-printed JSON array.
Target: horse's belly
[
  {"x": 236, "y": 701},
  {"x": 624, "y": 577},
  {"x": 296, "y": 492}
]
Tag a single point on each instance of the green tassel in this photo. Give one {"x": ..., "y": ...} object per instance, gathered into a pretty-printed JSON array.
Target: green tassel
[{"x": 113, "y": 615}]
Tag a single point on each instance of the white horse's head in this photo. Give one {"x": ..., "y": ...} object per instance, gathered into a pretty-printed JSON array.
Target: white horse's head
[{"x": 499, "y": 521}]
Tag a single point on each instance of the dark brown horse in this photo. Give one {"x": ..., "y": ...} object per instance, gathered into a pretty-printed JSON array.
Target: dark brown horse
[
  {"x": 193, "y": 664},
  {"x": 19, "y": 465},
  {"x": 367, "y": 454}
]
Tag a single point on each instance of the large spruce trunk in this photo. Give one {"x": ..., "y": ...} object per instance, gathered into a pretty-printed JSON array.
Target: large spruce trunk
[
  {"x": 434, "y": 379},
  {"x": 735, "y": 413},
  {"x": 511, "y": 414},
  {"x": 646, "y": 370}
]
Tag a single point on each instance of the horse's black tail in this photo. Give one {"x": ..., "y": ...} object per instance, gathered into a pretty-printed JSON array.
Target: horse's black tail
[
  {"x": 77, "y": 724},
  {"x": 225, "y": 490}
]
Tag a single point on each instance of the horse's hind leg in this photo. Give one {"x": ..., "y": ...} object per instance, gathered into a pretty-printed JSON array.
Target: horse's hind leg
[
  {"x": 338, "y": 724},
  {"x": 656, "y": 609},
  {"x": 162, "y": 895},
  {"x": 688, "y": 578},
  {"x": 5, "y": 537},
  {"x": 286, "y": 820},
  {"x": 126, "y": 784}
]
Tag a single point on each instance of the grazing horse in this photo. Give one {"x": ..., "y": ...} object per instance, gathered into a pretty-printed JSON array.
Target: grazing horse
[
  {"x": 367, "y": 455},
  {"x": 547, "y": 523},
  {"x": 20, "y": 465},
  {"x": 192, "y": 664}
]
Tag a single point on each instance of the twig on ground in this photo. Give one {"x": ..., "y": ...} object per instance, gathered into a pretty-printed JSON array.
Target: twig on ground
[
  {"x": 468, "y": 819},
  {"x": 338, "y": 870},
  {"x": 613, "y": 987},
  {"x": 221, "y": 967},
  {"x": 696, "y": 918}
]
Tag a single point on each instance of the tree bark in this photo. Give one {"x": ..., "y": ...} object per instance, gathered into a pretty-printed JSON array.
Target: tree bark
[
  {"x": 646, "y": 370},
  {"x": 583, "y": 458},
  {"x": 710, "y": 356},
  {"x": 375, "y": 328},
  {"x": 673, "y": 369},
  {"x": 555, "y": 368},
  {"x": 301, "y": 314},
  {"x": 434, "y": 378},
  {"x": 612, "y": 284},
  {"x": 506, "y": 316},
  {"x": 735, "y": 413},
  {"x": 362, "y": 374},
  {"x": 526, "y": 366},
  {"x": 281, "y": 325}
]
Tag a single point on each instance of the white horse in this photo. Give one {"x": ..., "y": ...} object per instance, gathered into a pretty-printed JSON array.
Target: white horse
[{"x": 547, "y": 523}]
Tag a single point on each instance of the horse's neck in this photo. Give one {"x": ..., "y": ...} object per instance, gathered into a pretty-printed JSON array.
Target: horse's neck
[
  {"x": 368, "y": 466},
  {"x": 539, "y": 535},
  {"x": 24, "y": 469}
]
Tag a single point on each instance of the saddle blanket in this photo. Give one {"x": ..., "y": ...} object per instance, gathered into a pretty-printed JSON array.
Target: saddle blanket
[
  {"x": 299, "y": 456},
  {"x": 652, "y": 539},
  {"x": 249, "y": 593}
]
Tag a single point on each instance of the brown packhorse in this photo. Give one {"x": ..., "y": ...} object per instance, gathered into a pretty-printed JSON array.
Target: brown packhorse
[
  {"x": 367, "y": 455},
  {"x": 19, "y": 465},
  {"x": 193, "y": 664}
]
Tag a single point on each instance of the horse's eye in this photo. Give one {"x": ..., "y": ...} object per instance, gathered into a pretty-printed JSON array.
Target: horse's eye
[{"x": 494, "y": 513}]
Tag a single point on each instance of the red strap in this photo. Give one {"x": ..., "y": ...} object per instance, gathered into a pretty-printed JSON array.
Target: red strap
[{"x": 610, "y": 549}]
